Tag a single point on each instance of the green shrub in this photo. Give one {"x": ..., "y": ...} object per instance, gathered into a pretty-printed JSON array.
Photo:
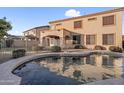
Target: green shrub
[
  {"x": 115, "y": 49},
  {"x": 37, "y": 48},
  {"x": 55, "y": 49},
  {"x": 79, "y": 47},
  {"x": 98, "y": 47},
  {"x": 77, "y": 74},
  {"x": 18, "y": 53}
]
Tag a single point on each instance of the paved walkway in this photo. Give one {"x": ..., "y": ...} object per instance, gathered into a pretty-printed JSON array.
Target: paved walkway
[{"x": 108, "y": 82}]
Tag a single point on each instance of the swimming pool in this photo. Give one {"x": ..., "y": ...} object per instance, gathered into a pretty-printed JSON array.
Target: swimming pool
[{"x": 58, "y": 70}]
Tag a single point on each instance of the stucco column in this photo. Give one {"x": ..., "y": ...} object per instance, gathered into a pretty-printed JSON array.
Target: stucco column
[
  {"x": 41, "y": 41},
  {"x": 82, "y": 40},
  {"x": 62, "y": 42},
  {"x": 84, "y": 36},
  {"x": 99, "y": 39}
]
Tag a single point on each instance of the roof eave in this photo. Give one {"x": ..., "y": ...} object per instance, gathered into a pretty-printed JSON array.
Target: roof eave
[
  {"x": 35, "y": 28},
  {"x": 94, "y": 14}
]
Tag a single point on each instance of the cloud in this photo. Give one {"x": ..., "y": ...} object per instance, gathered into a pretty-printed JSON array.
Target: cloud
[{"x": 72, "y": 13}]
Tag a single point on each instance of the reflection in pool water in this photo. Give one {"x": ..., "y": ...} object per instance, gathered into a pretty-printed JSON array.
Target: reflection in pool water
[{"x": 70, "y": 70}]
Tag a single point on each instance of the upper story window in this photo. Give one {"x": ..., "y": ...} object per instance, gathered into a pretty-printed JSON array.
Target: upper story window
[
  {"x": 109, "y": 20},
  {"x": 92, "y": 19},
  {"x": 77, "y": 24},
  {"x": 59, "y": 24}
]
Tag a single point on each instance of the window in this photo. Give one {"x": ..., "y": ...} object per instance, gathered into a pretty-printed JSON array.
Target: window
[
  {"x": 91, "y": 19},
  {"x": 108, "y": 20},
  {"x": 58, "y": 24},
  {"x": 90, "y": 39},
  {"x": 78, "y": 24},
  {"x": 108, "y": 39},
  {"x": 76, "y": 39}
]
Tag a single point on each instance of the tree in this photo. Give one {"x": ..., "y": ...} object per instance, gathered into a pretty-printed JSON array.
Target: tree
[{"x": 5, "y": 26}]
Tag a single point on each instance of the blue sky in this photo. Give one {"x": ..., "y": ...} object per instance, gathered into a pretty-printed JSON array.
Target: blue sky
[{"x": 26, "y": 18}]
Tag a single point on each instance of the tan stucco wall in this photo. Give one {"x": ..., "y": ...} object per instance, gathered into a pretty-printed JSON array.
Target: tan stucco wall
[
  {"x": 22, "y": 43},
  {"x": 95, "y": 27}
]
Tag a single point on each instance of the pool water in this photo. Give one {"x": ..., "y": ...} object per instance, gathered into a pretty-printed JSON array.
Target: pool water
[{"x": 70, "y": 70}]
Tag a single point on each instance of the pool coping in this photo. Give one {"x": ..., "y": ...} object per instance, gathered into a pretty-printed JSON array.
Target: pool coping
[{"x": 8, "y": 78}]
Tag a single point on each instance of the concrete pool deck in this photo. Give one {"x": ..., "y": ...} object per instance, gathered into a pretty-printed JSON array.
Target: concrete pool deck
[{"x": 8, "y": 78}]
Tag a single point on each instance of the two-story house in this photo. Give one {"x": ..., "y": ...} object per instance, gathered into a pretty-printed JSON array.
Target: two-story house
[{"x": 103, "y": 28}]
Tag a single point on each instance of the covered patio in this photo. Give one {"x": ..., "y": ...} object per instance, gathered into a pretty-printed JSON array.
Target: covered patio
[
  {"x": 51, "y": 40},
  {"x": 63, "y": 38}
]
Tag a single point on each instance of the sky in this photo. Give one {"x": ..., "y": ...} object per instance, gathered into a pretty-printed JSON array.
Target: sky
[{"x": 25, "y": 18}]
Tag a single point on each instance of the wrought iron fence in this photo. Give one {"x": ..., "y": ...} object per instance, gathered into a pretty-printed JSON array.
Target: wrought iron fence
[{"x": 6, "y": 53}]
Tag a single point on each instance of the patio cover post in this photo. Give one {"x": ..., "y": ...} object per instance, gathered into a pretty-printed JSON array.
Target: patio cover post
[{"x": 62, "y": 42}]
